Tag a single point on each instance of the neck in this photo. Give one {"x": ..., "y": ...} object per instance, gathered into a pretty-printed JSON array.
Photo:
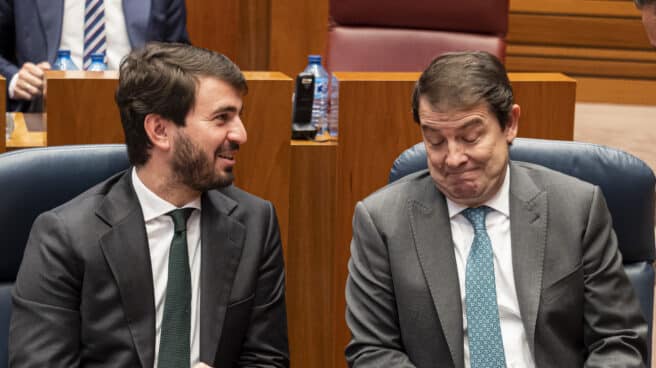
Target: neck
[{"x": 158, "y": 178}]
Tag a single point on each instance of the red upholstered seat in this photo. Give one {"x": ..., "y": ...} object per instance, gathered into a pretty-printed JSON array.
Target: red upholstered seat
[{"x": 397, "y": 35}]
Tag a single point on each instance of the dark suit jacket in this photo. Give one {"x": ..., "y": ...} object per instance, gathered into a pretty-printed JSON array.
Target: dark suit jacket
[
  {"x": 84, "y": 292},
  {"x": 31, "y": 29},
  {"x": 577, "y": 304}
]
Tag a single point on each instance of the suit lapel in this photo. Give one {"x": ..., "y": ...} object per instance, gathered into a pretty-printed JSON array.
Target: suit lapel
[
  {"x": 125, "y": 247},
  {"x": 137, "y": 14},
  {"x": 528, "y": 231},
  {"x": 51, "y": 15},
  {"x": 431, "y": 230},
  {"x": 222, "y": 240}
]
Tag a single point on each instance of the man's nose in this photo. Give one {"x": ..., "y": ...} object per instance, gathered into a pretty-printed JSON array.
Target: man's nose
[
  {"x": 455, "y": 155},
  {"x": 237, "y": 133}
]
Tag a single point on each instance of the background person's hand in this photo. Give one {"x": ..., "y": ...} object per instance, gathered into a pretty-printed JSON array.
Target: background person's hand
[
  {"x": 29, "y": 82},
  {"x": 202, "y": 365}
]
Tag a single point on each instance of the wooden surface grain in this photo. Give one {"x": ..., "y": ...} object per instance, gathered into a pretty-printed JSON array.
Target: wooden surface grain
[{"x": 310, "y": 254}]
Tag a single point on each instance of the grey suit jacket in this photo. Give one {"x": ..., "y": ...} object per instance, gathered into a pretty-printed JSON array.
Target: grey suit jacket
[
  {"x": 31, "y": 29},
  {"x": 84, "y": 292},
  {"x": 577, "y": 304}
]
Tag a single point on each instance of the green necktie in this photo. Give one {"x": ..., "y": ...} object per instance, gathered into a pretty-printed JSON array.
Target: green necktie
[{"x": 174, "y": 345}]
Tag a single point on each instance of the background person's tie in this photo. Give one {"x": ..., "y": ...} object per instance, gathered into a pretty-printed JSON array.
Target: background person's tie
[
  {"x": 95, "y": 41},
  {"x": 483, "y": 326},
  {"x": 174, "y": 344}
]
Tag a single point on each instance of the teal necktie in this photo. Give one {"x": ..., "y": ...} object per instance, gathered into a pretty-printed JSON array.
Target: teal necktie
[
  {"x": 174, "y": 344},
  {"x": 483, "y": 327}
]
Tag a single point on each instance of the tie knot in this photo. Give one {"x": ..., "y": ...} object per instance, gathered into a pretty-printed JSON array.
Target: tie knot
[
  {"x": 476, "y": 216},
  {"x": 180, "y": 217}
]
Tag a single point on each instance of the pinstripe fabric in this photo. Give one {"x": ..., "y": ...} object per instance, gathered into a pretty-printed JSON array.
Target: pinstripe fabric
[{"x": 95, "y": 40}]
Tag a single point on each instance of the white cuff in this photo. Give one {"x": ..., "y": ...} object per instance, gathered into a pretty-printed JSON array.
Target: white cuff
[{"x": 12, "y": 85}]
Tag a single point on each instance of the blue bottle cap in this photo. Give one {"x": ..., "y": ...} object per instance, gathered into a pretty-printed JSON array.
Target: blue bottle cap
[
  {"x": 314, "y": 59},
  {"x": 98, "y": 57},
  {"x": 63, "y": 53}
]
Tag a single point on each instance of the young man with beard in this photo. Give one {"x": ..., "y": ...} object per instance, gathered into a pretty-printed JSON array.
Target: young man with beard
[
  {"x": 166, "y": 264},
  {"x": 481, "y": 261}
]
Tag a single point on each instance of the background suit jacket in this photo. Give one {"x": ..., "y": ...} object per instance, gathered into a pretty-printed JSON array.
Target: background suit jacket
[
  {"x": 577, "y": 305},
  {"x": 84, "y": 292},
  {"x": 31, "y": 29}
]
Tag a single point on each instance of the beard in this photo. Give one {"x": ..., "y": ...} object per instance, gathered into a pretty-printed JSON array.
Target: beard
[{"x": 192, "y": 167}]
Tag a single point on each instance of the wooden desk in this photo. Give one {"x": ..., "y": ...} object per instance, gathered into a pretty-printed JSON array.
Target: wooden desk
[
  {"x": 309, "y": 267},
  {"x": 3, "y": 108},
  {"x": 80, "y": 107},
  {"x": 375, "y": 126},
  {"x": 29, "y": 130}
]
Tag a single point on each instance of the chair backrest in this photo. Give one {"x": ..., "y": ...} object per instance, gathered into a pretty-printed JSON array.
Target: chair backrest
[
  {"x": 36, "y": 180},
  {"x": 392, "y": 35},
  {"x": 626, "y": 181}
]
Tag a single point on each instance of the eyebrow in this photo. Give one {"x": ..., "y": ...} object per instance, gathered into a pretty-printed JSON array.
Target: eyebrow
[
  {"x": 227, "y": 108},
  {"x": 468, "y": 124}
]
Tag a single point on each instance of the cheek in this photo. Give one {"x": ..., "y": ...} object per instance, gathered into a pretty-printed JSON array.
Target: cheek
[{"x": 434, "y": 159}]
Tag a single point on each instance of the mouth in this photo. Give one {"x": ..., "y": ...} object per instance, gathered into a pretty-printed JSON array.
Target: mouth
[
  {"x": 226, "y": 156},
  {"x": 462, "y": 175}
]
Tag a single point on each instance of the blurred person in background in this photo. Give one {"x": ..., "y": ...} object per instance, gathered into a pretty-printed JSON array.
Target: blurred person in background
[{"x": 32, "y": 32}]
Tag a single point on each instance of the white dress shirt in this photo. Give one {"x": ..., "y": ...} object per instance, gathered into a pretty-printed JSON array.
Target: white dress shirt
[
  {"x": 159, "y": 229},
  {"x": 116, "y": 33},
  {"x": 515, "y": 343}
]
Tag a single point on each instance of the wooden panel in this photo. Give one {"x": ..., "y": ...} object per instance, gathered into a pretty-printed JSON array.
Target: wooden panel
[
  {"x": 576, "y": 31},
  {"x": 237, "y": 28},
  {"x": 600, "y": 40},
  {"x": 585, "y": 53},
  {"x": 3, "y": 110},
  {"x": 613, "y": 8},
  {"x": 624, "y": 91},
  {"x": 376, "y": 126},
  {"x": 214, "y": 25},
  {"x": 309, "y": 260},
  {"x": 582, "y": 67},
  {"x": 298, "y": 28},
  {"x": 264, "y": 161},
  {"x": 254, "y": 32},
  {"x": 80, "y": 108},
  {"x": 547, "y": 105}
]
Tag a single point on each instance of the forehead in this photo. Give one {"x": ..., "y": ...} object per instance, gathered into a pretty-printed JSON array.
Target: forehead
[
  {"x": 212, "y": 90},
  {"x": 445, "y": 116}
]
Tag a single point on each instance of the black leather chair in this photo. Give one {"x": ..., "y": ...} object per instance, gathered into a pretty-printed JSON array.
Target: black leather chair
[
  {"x": 626, "y": 181},
  {"x": 33, "y": 181}
]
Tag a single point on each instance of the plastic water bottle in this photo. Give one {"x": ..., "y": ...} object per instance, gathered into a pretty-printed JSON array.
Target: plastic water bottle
[
  {"x": 64, "y": 61},
  {"x": 333, "y": 114},
  {"x": 320, "y": 101},
  {"x": 97, "y": 63}
]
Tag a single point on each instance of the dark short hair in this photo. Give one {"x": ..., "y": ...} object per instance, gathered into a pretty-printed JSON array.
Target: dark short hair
[
  {"x": 461, "y": 80},
  {"x": 640, "y": 3},
  {"x": 162, "y": 78}
]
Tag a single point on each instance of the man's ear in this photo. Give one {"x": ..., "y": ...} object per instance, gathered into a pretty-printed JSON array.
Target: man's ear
[
  {"x": 513, "y": 124},
  {"x": 159, "y": 131}
]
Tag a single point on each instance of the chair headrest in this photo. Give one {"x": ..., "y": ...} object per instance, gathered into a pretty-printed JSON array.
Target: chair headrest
[
  {"x": 36, "y": 180},
  {"x": 469, "y": 16}
]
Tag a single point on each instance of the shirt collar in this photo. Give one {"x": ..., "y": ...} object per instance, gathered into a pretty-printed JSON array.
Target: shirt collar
[
  {"x": 499, "y": 202},
  {"x": 152, "y": 205}
]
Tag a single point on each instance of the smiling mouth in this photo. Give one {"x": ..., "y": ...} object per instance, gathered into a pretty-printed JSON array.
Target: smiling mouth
[{"x": 226, "y": 156}]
